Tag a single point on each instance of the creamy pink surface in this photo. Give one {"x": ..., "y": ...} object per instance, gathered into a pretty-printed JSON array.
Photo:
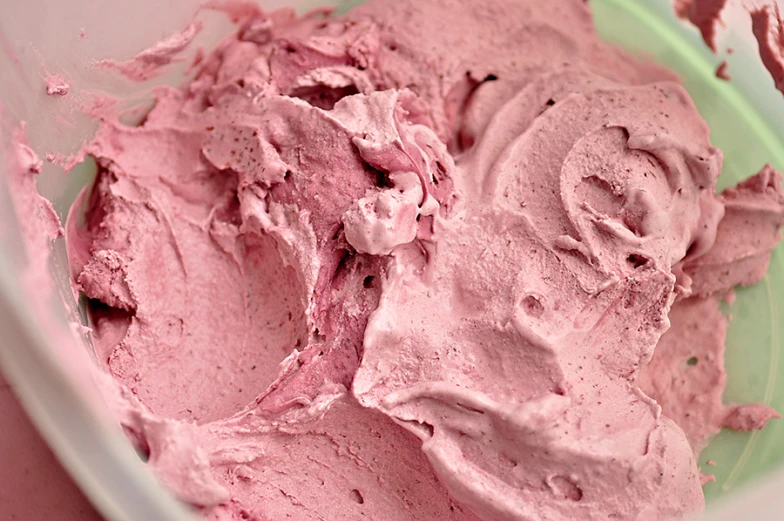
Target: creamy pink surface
[{"x": 366, "y": 267}]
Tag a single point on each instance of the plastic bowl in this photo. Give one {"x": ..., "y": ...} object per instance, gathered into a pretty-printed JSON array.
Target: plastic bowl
[{"x": 37, "y": 37}]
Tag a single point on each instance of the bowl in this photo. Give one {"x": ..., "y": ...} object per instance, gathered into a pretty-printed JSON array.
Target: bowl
[{"x": 48, "y": 364}]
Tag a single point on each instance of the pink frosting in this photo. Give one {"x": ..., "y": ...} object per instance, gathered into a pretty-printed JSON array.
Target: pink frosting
[
  {"x": 56, "y": 85},
  {"x": 749, "y": 417},
  {"x": 148, "y": 62},
  {"x": 38, "y": 223},
  {"x": 768, "y": 27},
  {"x": 705, "y": 14},
  {"x": 722, "y": 73},
  {"x": 365, "y": 267}
]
